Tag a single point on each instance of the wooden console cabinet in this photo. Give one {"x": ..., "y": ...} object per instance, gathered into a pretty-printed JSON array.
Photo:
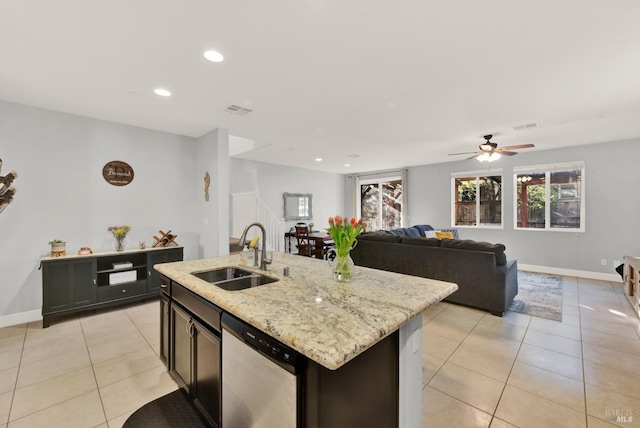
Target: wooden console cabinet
[
  {"x": 632, "y": 281},
  {"x": 77, "y": 283}
]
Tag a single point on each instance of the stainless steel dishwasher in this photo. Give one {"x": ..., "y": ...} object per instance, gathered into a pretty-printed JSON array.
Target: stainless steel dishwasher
[{"x": 261, "y": 382}]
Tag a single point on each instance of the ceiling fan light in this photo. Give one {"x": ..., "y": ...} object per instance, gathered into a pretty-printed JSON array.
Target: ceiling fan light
[
  {"x": 486, "y": 147},
  {"x": 489, "y": 157},
  {"x": 483, "y": 157}
]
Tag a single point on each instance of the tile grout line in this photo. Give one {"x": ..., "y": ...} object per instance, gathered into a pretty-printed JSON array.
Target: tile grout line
[
  {"x": 93, "y": 370},
  {"x": 15, "y": 383},
  {"x": 506, "y": 382}
]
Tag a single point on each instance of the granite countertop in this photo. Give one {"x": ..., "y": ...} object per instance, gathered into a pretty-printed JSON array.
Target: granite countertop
[{"x": 328, "y": 322}]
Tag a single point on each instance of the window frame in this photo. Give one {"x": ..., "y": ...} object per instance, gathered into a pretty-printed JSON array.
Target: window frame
[
  {"x": 548, "y": 169},
  {"x": 379, "y": 180},
  {"x": 478, "y": 175}
]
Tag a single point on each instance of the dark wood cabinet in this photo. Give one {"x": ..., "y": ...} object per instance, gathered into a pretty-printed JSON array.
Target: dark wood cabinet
[
  {"x": 165, "y": 317},
  {"x": 207, "y": 376},
  {"x": 68, "y": 285},
  {"x": 155, "y": 280},
  {"x": 181, "y": 347},
  {"x": 195, "y": 349},
  {"x": 76, "y": 283}
]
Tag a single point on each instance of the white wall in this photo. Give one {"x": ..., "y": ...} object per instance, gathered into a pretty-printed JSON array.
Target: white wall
[
  {"x": 271, "y": 181},
  {"x": 213, "y": 215},
  {"x": 61, "y": 192},
  {"x": 612, "y": 207}
]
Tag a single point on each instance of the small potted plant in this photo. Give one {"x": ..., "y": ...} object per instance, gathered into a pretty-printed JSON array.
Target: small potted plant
[{"x": 58, "y": 248}]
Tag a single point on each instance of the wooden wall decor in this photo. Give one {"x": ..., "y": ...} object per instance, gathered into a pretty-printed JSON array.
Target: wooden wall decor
[
  {"x": 207, "y": 183},
  {"x": 7, "y": 191},
  {"x": 166, "y": 239},
  {"x": 117, "y": 173}
]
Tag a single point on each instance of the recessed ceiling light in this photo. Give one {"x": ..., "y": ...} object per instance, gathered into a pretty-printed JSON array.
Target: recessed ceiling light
[
  {"x": 162, "y": 92},
  {"x": 318, "y": 159},
  {"x": 347, "y": 164},
  {"x": 214, "y": 56}
]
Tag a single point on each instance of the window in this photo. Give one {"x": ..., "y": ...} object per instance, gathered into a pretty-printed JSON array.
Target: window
[
  {"x": 550, "y": 197},
  {"x": 381, "y": 203},
  {"x": 477, "y": 200}
]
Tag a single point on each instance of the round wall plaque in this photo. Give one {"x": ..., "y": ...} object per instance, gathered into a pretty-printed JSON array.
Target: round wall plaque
[{"x": 118, "y": 173}]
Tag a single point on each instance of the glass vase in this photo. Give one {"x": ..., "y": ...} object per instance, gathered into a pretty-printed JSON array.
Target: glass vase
[
  {"x": 342, "y": 267},
  {"x": 120, "y": 244}
]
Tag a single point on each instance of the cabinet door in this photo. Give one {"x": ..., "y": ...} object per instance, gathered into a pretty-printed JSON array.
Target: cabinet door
[
  {"x": 68, "y": 284},
  {"x": 180, "y": 357},
  {"x": 206, "y": 373},
  {"x": 165, "y": 305}
]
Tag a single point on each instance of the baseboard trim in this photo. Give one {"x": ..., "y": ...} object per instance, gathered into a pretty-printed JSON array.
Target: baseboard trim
[
  {"x": 20, "y": 318},
  {"x": 612, "y": 277}
]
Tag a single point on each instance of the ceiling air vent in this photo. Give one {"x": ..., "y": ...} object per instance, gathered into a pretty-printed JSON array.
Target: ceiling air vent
[
  {"x": 526, "y": 126},
  {"x": 234, "y": 109}
]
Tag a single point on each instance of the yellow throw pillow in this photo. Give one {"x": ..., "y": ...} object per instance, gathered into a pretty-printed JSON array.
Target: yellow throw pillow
[{"x": 444, "y": 235}]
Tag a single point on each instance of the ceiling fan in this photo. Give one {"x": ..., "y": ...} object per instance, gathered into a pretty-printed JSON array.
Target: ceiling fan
[{"x": 490, "y": 152}]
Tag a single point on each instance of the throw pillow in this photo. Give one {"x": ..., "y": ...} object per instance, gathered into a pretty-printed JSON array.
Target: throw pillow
[
  {"x": 423, "y": 228},
  {"x": 444, "y": 235},
  {"x": 412, "y": 231},
  {"x": 430, "y": 234}
]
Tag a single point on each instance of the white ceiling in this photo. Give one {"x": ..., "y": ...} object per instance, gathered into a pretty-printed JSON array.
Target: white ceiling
[{"x": 398, "y": 83}]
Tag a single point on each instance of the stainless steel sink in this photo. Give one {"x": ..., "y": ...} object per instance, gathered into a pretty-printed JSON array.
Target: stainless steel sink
[{"x": 233, "y": 279}]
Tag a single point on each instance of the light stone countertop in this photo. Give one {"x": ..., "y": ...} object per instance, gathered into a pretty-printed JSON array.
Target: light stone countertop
[{"x": 328, "y": 322}]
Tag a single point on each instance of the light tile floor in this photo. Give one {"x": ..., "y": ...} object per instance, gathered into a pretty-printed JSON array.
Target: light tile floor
[
  {"x": 520, "y": 371},
  {"x": 479, "y": 370}
]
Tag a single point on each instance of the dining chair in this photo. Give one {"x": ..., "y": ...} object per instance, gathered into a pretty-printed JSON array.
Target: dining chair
[{"x": 305, "y": 247}]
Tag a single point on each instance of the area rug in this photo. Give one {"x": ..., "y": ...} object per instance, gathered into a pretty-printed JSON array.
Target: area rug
[
  {"x": 169, "y": 411},
  {"x": 539, "y": 295}
]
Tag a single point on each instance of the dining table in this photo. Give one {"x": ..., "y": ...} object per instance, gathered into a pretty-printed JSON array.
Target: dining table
[{"x": 320, "y": 240}]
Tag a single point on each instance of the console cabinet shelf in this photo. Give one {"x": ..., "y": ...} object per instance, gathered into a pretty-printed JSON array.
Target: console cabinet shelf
[
  {"x": 632, "y": 282},
  {"x": 78, "y": 283}
]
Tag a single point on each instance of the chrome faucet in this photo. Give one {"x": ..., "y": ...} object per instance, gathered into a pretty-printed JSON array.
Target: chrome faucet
[{"x": 264, "y": 261}]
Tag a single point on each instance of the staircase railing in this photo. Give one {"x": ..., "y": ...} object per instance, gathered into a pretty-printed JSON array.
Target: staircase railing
[{"x": 248, "y": 208}]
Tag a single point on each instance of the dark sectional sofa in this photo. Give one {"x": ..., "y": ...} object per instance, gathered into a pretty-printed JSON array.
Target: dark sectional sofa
[{"x": 486, "y": 279}]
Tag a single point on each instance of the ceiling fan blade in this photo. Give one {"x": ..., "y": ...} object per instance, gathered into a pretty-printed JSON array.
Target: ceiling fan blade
[
  {"x": 463, "y": 153},
  {"x": 506, "y": 153},
  {"x": 476, "y": 155},
  {"x": 518, "y": 146}
]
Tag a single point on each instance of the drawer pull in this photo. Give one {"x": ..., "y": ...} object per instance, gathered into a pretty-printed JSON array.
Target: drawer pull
[{"x": 124, "y": 291}]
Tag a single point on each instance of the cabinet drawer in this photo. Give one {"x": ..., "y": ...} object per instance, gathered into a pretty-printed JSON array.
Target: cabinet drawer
[
  {"x": 206, "y": 311},
  {"x": 113, "y": 292}
]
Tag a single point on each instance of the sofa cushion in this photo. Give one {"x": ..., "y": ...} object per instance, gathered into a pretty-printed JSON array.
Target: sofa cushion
[
  {"x": 466, "y": 244},
  {"x": 425, "y": 242},
  {"x": 380, "y": 237}
]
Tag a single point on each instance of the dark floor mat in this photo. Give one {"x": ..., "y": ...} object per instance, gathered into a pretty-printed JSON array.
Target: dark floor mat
[{"x": 169, "y": 411}]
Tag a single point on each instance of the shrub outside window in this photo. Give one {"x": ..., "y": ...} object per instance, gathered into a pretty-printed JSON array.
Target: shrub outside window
[
  {"x": 550, "y": 197},
  {"x": 477, "y": 200}
]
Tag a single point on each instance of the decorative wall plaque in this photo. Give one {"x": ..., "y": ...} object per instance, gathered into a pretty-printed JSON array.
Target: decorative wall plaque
[{"x": 118, "y": 173}]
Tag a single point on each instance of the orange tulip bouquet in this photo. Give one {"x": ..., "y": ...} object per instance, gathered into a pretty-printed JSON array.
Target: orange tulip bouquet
[{"x": 344, "y": 234}]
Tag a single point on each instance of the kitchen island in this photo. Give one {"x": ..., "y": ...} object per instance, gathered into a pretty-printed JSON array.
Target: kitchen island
[{"x": 331, "y": 324}]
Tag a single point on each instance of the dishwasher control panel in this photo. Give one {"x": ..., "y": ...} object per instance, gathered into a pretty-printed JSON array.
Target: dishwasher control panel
[{"x": 269, "y": 346}]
